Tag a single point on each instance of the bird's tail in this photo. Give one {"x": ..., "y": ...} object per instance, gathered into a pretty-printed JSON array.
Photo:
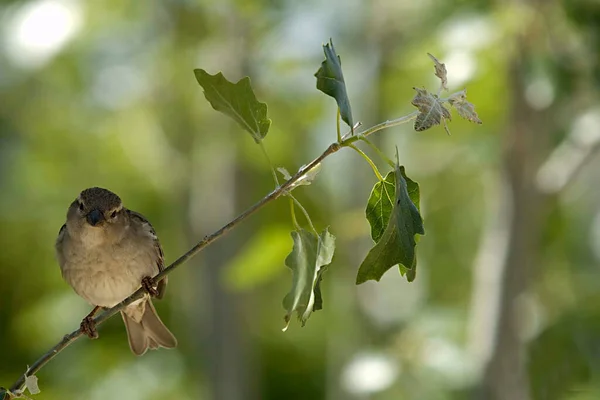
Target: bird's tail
[{"x": 145, "y": 330}]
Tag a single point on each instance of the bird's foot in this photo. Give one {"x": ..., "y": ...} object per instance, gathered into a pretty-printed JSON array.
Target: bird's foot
[
  {"x": 88, "y": 327},
  {"x": 148, "y": 285}
]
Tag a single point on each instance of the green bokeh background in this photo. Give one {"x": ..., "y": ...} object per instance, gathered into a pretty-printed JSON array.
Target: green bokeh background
[{"x": 505, "y": 304}]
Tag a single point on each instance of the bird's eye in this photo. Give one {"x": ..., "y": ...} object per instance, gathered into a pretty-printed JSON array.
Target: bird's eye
[
  {"x": 80, "y": 206},
  {"x": 113, "y": 214}
]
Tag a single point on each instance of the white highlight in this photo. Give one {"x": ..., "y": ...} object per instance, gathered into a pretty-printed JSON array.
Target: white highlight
[
  {"x": 539, "y": 94},
  {"x": 468, "y": 32},
  {"x": 39, "y": 29},
  {"x": 370, "y": 373},
  {"x": 461, "y": 66}
]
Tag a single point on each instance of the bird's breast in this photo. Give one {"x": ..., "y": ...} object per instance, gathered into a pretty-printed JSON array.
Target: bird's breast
[{"x": 104, "y": 275}]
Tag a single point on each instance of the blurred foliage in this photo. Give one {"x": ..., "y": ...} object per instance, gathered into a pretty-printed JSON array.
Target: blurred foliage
[{"x": 103, "y": 93}]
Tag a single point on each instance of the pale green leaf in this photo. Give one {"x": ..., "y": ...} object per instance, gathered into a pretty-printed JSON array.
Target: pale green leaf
[
  {"x": 308, "y": 260},
  {"x": 237, "y": 101},
  {"x": 31, "y": 383}
]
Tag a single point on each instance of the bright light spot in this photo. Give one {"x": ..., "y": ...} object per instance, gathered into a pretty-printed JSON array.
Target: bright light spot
[
  {"x": 467, "y": 33},
  {"x": 39, "y": 29},
  {"x": 461, "y": 66},
  {"x": 586, "y": 129},
  {"x": 370, "y": 373},
  {"x": 539, "y": 94}
]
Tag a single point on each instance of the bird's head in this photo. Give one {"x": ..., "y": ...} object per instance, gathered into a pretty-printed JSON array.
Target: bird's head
[{"x": 96, "y": 213}]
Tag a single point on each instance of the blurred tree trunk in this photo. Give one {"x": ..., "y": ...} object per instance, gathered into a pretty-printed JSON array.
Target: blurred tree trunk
[
  {"x": 505, "y": 376},
  {"x": 217, "y": 318},
  {"x": 525, "y": 145}
]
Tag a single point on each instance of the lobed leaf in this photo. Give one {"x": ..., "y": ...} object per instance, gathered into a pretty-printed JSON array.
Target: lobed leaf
[
  {"x": 380, "y": 205},
  {"x": 236, "y": 101},
  {"x": 464, "y": 108},
  {"x": 381, "y": 202},
  {"x": 396, "y": 244},
  {"x": 308, "y": 261},
  {"x": 431, "y": 110},
  {"x": 330, "y": 80}
]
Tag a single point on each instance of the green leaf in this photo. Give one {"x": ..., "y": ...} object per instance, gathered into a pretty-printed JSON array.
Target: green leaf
[
  {"x": 381, "y": 202},
  {"x": 431, "y": 110},
  {"x": 308, "y": 261},
  {"x": 463, "y": 107},
  {"x": 330, "y": 80},
  {"x": 237, "y": 101},
  {"x": 396, "y": 244},
  {"x": 380, "y": 205}
]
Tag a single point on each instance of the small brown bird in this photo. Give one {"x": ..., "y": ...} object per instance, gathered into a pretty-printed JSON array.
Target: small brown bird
[{"x": 106, "y": 252}]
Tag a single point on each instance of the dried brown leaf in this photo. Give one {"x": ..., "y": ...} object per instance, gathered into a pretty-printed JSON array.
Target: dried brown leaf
[
  {"x": 440, "y": 71},
  {"x": 464, "y": 108},
  {"x": 431, "y": 110}
]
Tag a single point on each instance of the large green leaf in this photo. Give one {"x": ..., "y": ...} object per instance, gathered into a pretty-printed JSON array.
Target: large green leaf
[
  {"x": 396, "y": 244},
  {"x": 237, "y": 101},
  {"x": 330, "y": 80},
  {"x": 308, "y": 261},
  {"x": 381, "y": 202}
]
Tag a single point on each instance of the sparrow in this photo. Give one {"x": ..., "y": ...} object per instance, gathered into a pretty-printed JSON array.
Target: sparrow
[{"x": 106, "y": 252}]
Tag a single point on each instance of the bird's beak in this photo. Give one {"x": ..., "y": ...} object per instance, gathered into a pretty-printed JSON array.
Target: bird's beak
[{"x": 95, "y": 217}]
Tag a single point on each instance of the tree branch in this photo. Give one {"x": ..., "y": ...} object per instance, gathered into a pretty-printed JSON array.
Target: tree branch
[{"x": 286, "y": 187}]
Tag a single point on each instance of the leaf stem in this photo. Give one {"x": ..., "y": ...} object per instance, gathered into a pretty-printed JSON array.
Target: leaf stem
[
  {"x": 280, "y": 190},
  {"x": 293, "y": 212},
  {"x": 379, "y": 152},
  {"x": 264, "y": 151},
  {"x": 337, "y": 125},
  {"x": 306, "y": 215},
  {"x": 368, "y": 159}
]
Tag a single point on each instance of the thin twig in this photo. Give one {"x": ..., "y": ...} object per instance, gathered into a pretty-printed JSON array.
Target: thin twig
[{"x": 285, "y": 188}]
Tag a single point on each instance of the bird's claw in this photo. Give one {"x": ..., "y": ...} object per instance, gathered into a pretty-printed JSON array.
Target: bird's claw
[
  {"x": 88, "y": 327},
  {"x": 148, "y": 285}
]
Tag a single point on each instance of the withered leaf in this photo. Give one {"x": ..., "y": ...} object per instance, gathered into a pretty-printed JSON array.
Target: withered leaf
[
  {"x": 431, "y": 110},
  {"x": 440, "y": 71},
  {"x": 464, "y": 108}
]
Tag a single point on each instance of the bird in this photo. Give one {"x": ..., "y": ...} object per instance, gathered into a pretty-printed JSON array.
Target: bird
[{"x": 106, "y": 252}]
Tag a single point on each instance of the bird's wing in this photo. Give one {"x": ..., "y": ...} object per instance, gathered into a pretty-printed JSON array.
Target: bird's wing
[
  {"x": 59, "y": 245},
  {"x": 160, "y": 257}
]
